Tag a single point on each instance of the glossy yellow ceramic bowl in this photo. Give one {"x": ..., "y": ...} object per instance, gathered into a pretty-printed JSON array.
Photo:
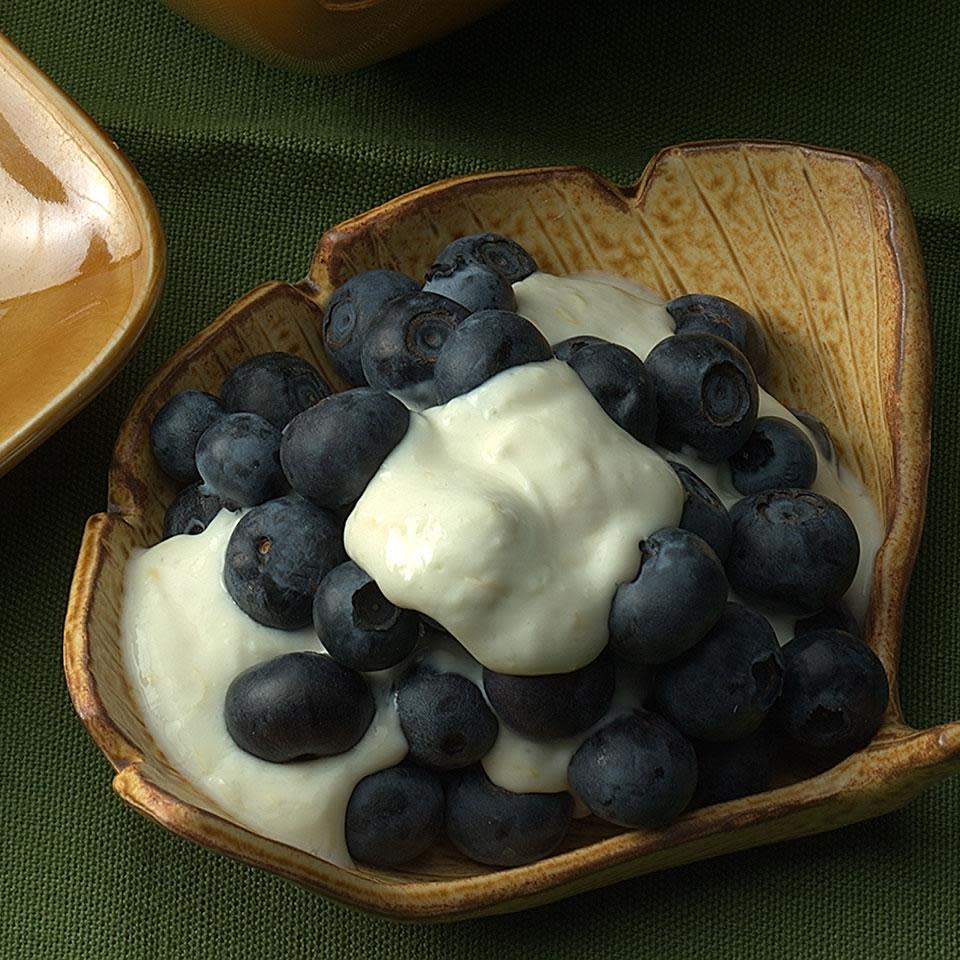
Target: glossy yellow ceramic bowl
[
  {"x": 331, "y": 36},
  {"x": 81, "y": 257},
  {"x": 819, "y": 245}
]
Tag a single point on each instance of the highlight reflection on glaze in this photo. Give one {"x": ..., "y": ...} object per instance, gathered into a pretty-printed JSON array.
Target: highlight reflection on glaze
[{"x": 81, "y": 256}]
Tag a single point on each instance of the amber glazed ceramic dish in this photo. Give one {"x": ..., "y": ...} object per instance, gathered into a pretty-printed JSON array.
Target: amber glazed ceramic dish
[
  {"x": 81, "y": 257},
  {"x": 331, "y": 36},
  {"x": 819, "y": 245}
]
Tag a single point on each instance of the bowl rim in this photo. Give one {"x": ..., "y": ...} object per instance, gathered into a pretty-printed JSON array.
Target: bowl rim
[{"x": 899, "y": 761}]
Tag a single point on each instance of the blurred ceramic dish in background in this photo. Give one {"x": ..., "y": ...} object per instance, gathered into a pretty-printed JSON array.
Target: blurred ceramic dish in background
[
  {"x": 818, "y": 245},
  {"x": 81, "y": 257},
  {"x": 331, "y": 36}
]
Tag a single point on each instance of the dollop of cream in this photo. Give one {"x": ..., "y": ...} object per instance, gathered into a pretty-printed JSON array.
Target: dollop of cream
[{"x": 510, "y": 515}]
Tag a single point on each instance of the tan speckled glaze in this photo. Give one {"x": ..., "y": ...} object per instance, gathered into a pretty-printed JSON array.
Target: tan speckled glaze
[{"x": 819, "y": 245}]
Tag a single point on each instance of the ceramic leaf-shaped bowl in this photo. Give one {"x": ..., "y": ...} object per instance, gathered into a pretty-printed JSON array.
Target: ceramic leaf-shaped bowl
[
  {"x": 819, "y": 245},
  {"x": 81, "y": 257}
]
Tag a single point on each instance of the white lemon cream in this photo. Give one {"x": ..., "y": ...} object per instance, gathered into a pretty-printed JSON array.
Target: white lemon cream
[
  {"x": 509, "y": 516},
  {"x": 605, "y": 307},
  {"x": 184, "y": 641}
]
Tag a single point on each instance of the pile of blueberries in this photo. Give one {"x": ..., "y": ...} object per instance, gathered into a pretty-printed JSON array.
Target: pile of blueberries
[{"x": 725, "y": 697}]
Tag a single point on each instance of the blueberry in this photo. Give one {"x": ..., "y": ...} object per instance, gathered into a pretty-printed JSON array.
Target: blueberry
[
  {"x": 637, "y": 771},
  {"x": 394, "y": 815},
  {"x": 706, "y": 395},
  {"x": 277, "y": 386},
  {"x": 486, "y": 343},
  {"x": 357, "y": 625},
  {"x": 677, "y": 595},
  {"x": 297, "y": 706},
  {"x": 445, "y": 719},
  {"x": 703, "y": 313},
  {"x": 821, "y": 435},
  {"x": 473, "y": 286},
  {"x": 191, "y": 511},
  {"x": 835, "y": 617},
  {"x": 276, "y": 557},
  {"x": 566, "y": 349},
  {"x": 552, "y": 706},
  {"x": 737, "y": 768},
  {"x": 401, "y": 347},
  {"x": 724, "y": 687},
  {"x": 331, "y": 451},
  {"x": 776, "y": 454},
  {"x": 239, "y": 459},
  {"x": 351, "y": 310},
  {"x": 502, "y": 828},
  {"x": 834, "y": 694},
  {"x": 616, "y": 378},
  {"x": 793, "y": 551},
  {"x": 491, "y": 250},
  {"x": 177, "y": 427},
  {"x": 703, "y": 512}
]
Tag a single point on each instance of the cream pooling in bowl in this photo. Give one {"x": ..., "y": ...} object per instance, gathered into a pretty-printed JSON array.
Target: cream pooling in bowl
[{"x": 185, "y": 640}]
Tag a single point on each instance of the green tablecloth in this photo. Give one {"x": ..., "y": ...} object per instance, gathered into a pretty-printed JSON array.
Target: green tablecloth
[{"x": 248, "y": 166}]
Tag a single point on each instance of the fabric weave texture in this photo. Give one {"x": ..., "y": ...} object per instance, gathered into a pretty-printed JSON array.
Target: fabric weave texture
[{"x": 248, "y": 166}]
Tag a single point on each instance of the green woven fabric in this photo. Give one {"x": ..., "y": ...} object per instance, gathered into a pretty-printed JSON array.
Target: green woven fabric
[{"x": 248, "y": 166}]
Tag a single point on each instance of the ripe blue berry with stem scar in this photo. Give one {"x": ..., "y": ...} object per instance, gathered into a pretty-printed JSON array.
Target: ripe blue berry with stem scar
[
  {"x": 793, "y": 551},
  {"x": 276, "y": 557},
  {"x": 776, "y": 454},
  {"x": 401, "y": 346},
  {"x": 707, "y": 395},
  {"x": 678, "y": 594},
  {"x": 357, "y": 625},
  {"x": 447, "y": 722},
  {"x": 490, "y": 250},
  {"x": 351, "y": 311}
]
